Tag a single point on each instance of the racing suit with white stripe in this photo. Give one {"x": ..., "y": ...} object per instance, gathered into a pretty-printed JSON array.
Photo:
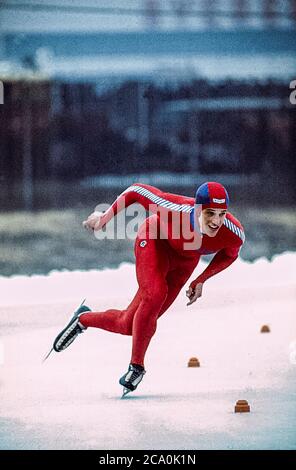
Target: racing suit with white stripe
[{"x": 167, "y": 250}]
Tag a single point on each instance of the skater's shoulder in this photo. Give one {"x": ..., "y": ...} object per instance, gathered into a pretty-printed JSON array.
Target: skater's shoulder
[
  {"x": 159, "y": 194},
  {"x": 233, "y": 228},
  {"x": 230, "y": 217}
]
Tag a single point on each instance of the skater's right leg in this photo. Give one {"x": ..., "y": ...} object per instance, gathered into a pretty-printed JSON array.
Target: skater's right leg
[
  {"x": 70, "y": 332},
  {"x": 114, "y": 320}
]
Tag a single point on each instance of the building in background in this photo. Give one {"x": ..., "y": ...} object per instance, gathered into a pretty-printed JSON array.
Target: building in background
[{"x": 152, "y": 86}]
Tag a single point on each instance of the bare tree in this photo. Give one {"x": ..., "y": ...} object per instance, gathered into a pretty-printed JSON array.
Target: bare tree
[
  {"x": 240, "y": 8},
  {"x": 151, "y": 12},
  {"x": 210, "y": 7},
  {"x": 181, "y": 9},
  {"x": 269, "y": 11},
  {"x": 293, "y": 10}
]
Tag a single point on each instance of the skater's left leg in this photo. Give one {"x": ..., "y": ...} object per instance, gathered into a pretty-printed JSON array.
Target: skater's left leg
[
  {"x": 145, "y": 319},
  {"x": 158, "y": 294},
  {"x": 152, "y": 266}
]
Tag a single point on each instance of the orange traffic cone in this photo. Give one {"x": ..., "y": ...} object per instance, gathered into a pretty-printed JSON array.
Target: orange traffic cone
[
  {"x": 193, "y": 362},
  {"x": 242, "y": 406}
]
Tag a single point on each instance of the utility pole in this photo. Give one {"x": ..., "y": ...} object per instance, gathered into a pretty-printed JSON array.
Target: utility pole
[
  {"x": 27, "y": 164},
  {"x": 151, "y": 7},
  {"x": 143, "y": 116},
  {"x": 293, "y": 10}
]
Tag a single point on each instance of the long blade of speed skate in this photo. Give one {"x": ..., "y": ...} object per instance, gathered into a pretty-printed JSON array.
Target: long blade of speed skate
[
  {"x": 47, "y": 355},
  {"x": 125, "y": 391},
  {"x": 82, "y": 303}
]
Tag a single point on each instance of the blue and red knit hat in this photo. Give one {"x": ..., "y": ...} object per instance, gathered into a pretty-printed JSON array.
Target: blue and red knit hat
[{"x": 213, "y": 195}]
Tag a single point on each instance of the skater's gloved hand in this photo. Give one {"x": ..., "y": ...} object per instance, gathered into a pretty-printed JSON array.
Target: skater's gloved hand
[
  {"x": 193, "y": 293},
  {"x": 93, "y": 221}
]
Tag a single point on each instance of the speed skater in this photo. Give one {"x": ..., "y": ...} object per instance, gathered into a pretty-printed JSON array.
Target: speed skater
[{"x": 168, "y": 247}]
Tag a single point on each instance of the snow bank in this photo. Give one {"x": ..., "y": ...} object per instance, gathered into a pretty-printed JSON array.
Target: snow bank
[{"x": 66, "y": 285}]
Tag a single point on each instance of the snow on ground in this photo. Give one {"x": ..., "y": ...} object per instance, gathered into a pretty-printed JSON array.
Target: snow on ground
[{"x": 73, "y": 400}]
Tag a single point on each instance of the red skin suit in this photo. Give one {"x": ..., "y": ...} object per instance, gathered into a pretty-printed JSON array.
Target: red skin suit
[{"x": 167, "y": 250}]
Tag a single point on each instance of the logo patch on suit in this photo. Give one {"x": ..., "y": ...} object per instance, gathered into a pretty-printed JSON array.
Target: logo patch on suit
[
  {"x": 218, "y": 201},
  {"x": 143, "y": 243}
]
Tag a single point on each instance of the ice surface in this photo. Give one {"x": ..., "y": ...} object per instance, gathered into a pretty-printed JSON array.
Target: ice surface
[{"x": 72, "y": 401}]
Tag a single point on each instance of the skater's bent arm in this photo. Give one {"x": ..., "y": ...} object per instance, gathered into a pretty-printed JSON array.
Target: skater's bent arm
[
  {"x": 194, "y": 294},
  {"x": 222, "y": 260}
]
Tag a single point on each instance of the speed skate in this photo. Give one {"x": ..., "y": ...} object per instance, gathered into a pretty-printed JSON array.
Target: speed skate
[{"x": 132, "y": 378}]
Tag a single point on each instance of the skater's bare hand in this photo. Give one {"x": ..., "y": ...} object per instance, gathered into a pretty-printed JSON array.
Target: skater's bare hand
[
  {"x": 93, "y": 221},
  {"x": 194, "y": 294}
]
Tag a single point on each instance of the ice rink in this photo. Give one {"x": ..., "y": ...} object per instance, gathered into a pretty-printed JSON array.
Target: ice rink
[{"x": 73, "y": 400}]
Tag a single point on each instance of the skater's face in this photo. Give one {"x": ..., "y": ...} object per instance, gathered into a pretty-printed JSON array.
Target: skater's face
[{"x": 212, "y": 221}]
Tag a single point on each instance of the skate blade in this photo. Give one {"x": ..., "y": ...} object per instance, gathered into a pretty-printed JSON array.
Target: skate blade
[
  {"x": 82, "y": 303},
  {"x": 125, "y": 392},
  {"x": 47, "y": 355},
  {"x": 72, "y": 315}
]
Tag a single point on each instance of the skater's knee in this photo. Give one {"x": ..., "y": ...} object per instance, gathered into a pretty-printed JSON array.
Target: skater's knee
[
  {"x": 126, "y": 329},
  {"x": 126, "y": 323},
  {"x": 155, "y": 295}
]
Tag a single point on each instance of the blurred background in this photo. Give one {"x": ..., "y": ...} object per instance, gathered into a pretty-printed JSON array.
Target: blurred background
[{"x": 172, "y": 93}]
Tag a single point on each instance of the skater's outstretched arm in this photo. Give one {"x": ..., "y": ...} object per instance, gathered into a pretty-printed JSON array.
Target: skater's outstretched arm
[{"x": 149, "y": 197}]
